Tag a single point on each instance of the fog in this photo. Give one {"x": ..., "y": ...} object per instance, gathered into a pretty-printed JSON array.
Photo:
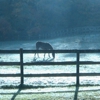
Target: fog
[
  {"x": 65, "y": 24},
  {"x": 41, "y": 19}
]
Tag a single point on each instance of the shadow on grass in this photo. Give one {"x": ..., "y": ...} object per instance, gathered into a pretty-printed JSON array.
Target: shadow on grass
[
  {"x": 15, "y": 94},
  {"x": 75, "y": 91}
]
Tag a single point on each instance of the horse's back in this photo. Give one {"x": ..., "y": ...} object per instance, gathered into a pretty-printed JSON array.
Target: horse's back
[{"x": 43, "y": 45}]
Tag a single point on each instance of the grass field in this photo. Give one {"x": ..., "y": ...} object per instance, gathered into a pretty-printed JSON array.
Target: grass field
[{"x": 56, "y": 93}]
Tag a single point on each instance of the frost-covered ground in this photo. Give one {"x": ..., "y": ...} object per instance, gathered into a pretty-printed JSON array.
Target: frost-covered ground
[{"x": 75, "y": 42}]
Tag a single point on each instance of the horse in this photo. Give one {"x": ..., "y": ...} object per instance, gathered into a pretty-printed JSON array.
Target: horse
[{"x": 44, "y": 46}]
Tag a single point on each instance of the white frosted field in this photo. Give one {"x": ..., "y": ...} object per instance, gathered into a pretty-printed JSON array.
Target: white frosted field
[{"x": 74, "y": 42}]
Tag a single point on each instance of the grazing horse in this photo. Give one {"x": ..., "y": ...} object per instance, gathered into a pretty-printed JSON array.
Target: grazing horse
[{"x": 44, "y": 46}]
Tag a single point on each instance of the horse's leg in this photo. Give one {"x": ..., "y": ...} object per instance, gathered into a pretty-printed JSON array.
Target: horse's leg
[
  {"x": 49, "y": 55},
  {"x": 37, "y": 48},
  {"x": 34, "y": 59},
  {"x": 44, "y": 55},
  {"x": 38, "y": 55},
  {"x": 35, "y": 55}
]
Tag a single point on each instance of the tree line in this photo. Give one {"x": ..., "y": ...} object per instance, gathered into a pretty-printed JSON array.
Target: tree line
[{"x": 30, "y": 19}]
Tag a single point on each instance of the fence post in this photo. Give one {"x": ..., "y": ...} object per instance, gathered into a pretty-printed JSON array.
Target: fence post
[
  {"x": 21, "y": 66},
  {"x": 77, "y": 69}
]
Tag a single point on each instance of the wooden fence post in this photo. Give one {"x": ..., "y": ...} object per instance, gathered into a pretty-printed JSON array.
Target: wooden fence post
[
  {"x": 21, "y": 66},
  {"x": 77, "y": 69}
]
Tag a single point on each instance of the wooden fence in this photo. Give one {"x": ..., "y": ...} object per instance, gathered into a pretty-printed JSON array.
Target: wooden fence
[{"x": 22, "y": 64}]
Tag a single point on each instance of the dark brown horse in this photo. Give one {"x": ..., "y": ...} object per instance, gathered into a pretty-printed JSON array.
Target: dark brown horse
[{"x": 44, "y": 46}]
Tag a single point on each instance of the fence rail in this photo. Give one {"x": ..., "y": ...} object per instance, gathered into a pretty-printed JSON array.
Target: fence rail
[{"x": 22, "y": 64}]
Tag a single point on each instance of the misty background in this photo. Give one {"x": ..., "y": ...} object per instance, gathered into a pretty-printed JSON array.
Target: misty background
[
  {"x": 43, "y": 19},
  {"x": 65, "y": 24}
]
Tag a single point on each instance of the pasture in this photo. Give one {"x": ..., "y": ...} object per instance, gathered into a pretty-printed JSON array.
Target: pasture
[
  {"x": 57, "y": 88},
  {"x": 55, "y": 93}
]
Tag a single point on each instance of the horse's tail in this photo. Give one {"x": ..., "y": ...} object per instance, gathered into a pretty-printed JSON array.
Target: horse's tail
[{"x": 53, "y": 53}]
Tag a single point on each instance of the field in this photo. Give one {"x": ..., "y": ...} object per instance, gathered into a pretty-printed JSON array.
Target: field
[
  {"x": 60, "y": 93},
  {"x": 53, "y": 88}
]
